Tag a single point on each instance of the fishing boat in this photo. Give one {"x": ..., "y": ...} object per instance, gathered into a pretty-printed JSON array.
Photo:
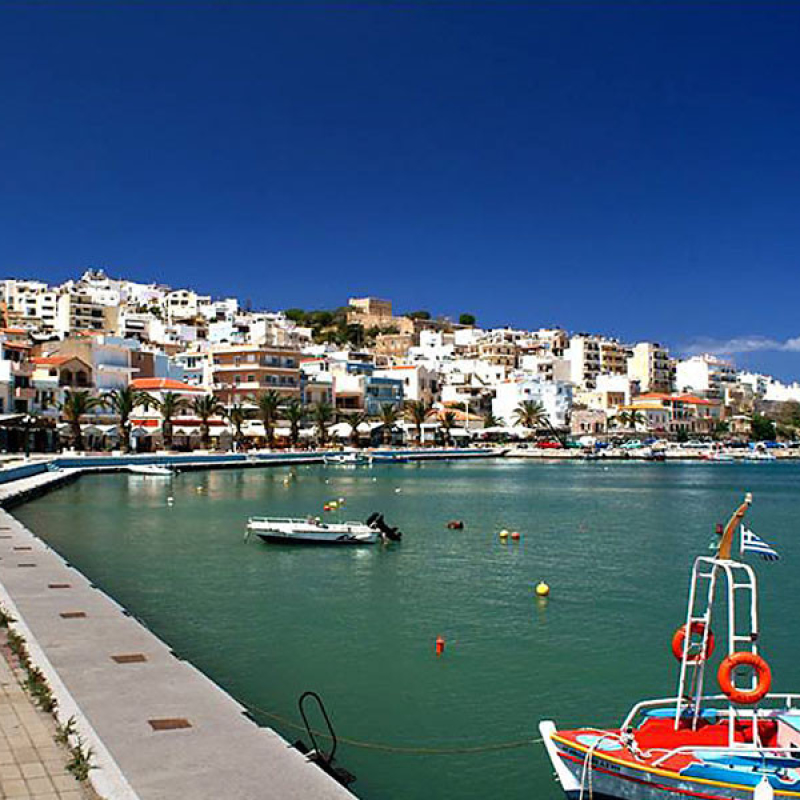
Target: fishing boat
[
  {"x": 760, "y": 455},
  {"x": 740, "y": 744},
  {"x": 389, "y": 457},
  {"x": 347, "y": 458},
  {"x": 150, "y": 470},
  {"x": 314, "y": 531},
  {"x": 717, "y": 455}
]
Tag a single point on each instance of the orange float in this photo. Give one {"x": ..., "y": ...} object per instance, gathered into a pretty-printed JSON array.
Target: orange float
[
  {"x": 762, "y": 670},
  {"x": 679, "y": 636}
]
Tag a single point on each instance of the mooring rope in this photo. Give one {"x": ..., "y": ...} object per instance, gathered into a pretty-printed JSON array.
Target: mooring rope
[{"x": 401, "y": 749}]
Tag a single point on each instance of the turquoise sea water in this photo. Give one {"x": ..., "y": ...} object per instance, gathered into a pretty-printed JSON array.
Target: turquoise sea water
[{"x": 615, "y": 542}]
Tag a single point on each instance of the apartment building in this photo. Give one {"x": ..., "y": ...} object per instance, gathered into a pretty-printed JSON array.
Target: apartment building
[
  {"x": 30, "y": 304},
  {"x": 705, "y": 375},
  {"x": 652, "y": 367},
  {"x": 243, "y": 372},
  {"x": 78, "y": 311}
]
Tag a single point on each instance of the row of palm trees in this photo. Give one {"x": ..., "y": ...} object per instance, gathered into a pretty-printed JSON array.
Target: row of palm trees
[{"x": 270, "y": 409}]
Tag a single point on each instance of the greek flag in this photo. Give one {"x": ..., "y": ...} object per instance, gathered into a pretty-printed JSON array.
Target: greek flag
[{"x": 753, "y": 544}]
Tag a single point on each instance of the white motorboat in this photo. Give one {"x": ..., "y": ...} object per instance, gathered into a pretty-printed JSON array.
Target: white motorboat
[
  {"x": 314, "y": 531},
  {"x": 150, "y": 470},
  {"x": 760, "y": 455},
  {"x": 347, "y": 458}
]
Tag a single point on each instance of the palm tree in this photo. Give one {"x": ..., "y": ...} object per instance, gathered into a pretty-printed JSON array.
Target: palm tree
[
  {"x": 388, "y": 416},
  {"x": 531, "y": 414},
  {"x": 295, "y": 413},
  {"x": 123, "y": 402},
  {"x": 237, "y": 415},
  {"x": 268, "y": 408},
  {"x": 447, "y": 421},
  {"x": 631, "y": 418},
  {"x": 417, "y": 411},
  {"x": 720, "y": 428},
  {"x": 76, "y": 405},
  {"x": 354, "y": 419},
  {"x": 490, "y": 420},
  {"x": 323, "y": 417},
  {"x": 169, "y": 405},
  {"x": 204, "y": 408}
]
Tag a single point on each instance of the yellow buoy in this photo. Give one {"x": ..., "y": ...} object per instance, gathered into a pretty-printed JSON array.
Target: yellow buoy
[
  {"x": 542, "y": 589},
  {"x": 504, "y": 534}
]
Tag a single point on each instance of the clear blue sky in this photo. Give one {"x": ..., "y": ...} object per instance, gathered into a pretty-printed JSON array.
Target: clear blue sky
[{"x": 629, "y": 167}]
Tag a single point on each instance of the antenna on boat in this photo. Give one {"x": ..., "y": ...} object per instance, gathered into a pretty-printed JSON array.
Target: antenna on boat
[{"x": 724, "y": 551}]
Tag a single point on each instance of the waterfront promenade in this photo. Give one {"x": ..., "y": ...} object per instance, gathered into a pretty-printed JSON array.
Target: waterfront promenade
[{"x": 158, "y": 728}]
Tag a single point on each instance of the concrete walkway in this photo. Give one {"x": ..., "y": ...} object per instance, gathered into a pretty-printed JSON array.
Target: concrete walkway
[
  {"x": 32, "y": 765},
  {"x": 159, "y": 728}
]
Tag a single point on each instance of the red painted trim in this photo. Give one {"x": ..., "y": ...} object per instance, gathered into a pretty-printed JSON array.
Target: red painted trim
[{"x": 659, "y": 786}]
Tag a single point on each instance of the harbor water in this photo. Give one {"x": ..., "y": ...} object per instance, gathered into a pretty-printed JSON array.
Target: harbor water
[{"x": 614, "y": 542}]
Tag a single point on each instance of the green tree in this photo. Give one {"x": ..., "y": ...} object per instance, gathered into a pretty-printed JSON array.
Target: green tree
[
  {"x": 719, "y": 429},
  {"x": 295, "y": 315},
  {"x": 76, "y": 405},
  {"x": 170, "y": 405},
  {"x": 631, "y": 418},
  {"x": 467, "y": 319},
  {"x": 123, "y": 402},
  {"x": 295, "y": 413},
  {"x": 204, "y": 408},
  {"x": 354, "y": 419},
  {"x": 532, "y": 414},
  {"x": 322, "y": 415},
  {"x": 447, "y": 421},
  {"x": 422, "y": 314},
  {"x": 490, "y": 420},
  {"x": 417, "y": 412},
  {"x": 269, "y": 403},
  {"x": 762, "y": 428},
  {"x": 388, "y": 417},
  {"x": 237, "y": 414}
]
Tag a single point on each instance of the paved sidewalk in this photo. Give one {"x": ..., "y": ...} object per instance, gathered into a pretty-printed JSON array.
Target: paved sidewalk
[{"x": 32, "y": 765}]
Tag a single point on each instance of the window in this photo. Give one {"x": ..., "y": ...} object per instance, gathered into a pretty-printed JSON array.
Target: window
[{"x": 251, "y": 378}]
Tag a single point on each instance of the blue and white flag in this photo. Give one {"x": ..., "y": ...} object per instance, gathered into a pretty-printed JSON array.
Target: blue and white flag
[{"x": 753, "y": 544}]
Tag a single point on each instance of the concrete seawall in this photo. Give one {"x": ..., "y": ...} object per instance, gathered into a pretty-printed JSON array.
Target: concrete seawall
[{"x": 158, "y": 727}]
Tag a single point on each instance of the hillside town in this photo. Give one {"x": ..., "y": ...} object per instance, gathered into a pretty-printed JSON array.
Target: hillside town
[{"x": 102, "y": 363}]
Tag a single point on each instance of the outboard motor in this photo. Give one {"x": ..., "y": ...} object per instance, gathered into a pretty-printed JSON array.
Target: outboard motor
[{"x": 377, "y": 521}]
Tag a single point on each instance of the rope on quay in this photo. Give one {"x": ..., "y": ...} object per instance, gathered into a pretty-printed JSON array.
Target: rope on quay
[{"x": 401, "y": 749}]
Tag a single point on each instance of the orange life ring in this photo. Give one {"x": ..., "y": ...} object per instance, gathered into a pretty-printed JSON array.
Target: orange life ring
[
  {"x": 725, "y": 677},
  {"x": 680, "y": 635}
]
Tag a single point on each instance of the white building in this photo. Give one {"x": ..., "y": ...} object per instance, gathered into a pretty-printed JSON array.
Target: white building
[
  {"x": 705, "y": 375},
  {"x": 651, "y": 365},
  {"x": 554, "y": 396},
  {"x": 419, "y": 382}
]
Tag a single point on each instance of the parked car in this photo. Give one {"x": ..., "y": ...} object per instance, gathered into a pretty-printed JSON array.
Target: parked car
[{"x": 549, "y": 445}]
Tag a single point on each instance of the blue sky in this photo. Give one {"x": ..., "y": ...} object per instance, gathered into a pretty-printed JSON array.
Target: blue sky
[{"x": 629, "y": 167}]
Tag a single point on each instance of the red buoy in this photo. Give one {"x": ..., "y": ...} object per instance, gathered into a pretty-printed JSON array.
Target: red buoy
[{"x": 439, "y": 645}]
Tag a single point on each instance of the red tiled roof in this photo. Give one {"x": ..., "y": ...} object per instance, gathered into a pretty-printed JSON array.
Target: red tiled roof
[
  {"x": 163, "y": 384},
  {"x": 54, "y": 360},
  {"x": 695, "y": 401}
]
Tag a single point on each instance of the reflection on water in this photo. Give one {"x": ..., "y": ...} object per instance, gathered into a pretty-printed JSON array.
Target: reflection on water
[{"x": 614, "y": 542}]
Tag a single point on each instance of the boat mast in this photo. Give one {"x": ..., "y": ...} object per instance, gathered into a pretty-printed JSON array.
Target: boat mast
[{"x": 739, "y": 578}]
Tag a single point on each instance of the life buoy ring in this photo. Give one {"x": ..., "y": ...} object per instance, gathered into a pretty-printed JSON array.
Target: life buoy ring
[
  {"x": 725, "y": 677},
  {"x": 680, "y": 635}
]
